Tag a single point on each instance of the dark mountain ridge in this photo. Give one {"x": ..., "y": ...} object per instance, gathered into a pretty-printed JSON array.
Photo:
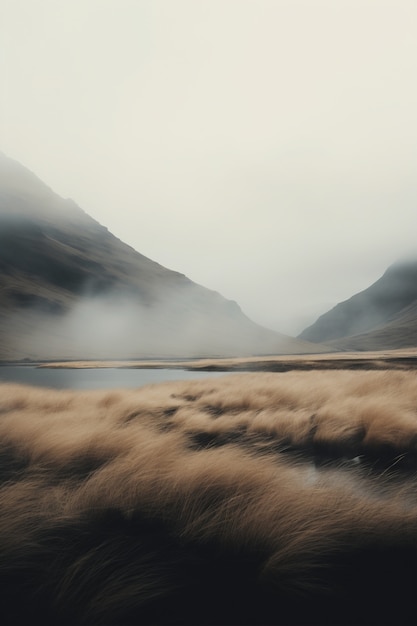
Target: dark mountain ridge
[
  {"x": 383, "y": 316},
  {"x": 71, "y": 289}
]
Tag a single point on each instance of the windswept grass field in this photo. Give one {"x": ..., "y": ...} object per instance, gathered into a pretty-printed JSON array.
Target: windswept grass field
[{"x": 256, "y": 498}]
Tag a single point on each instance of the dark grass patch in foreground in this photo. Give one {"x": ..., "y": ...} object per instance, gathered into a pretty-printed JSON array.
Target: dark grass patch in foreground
[{"x": 253, "y": 499}]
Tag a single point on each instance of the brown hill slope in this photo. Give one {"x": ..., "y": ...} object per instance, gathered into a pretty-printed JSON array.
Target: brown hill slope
[
  {"x": 70, "y": 289},
  {"x": 384, "y": 316}
]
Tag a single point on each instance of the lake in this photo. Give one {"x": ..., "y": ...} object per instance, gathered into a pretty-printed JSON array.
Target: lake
[{"x": 95, "y": 378}]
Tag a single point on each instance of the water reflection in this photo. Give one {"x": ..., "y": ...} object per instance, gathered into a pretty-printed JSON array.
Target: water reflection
[{"x": 95, "y": 378}]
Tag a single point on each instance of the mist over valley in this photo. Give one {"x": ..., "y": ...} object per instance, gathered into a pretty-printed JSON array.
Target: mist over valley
[
  {"x": 70, "y": 289},
  {"x": 239, "y": 494},
  {"x": 208, "y": 313}
]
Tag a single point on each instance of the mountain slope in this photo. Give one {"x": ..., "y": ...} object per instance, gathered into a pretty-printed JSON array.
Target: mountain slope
[
  {"x": 70, "y": 289},
  {"x": 384, "y": 316}
]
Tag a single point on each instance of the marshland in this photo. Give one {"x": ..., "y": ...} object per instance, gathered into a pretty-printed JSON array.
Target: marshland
[
  {"x": 208, "y": 313},
  {"x": 251, "y": 498}
]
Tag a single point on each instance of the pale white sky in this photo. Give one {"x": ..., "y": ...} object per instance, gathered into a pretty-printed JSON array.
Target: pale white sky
[{"x": 265, "y": 148}]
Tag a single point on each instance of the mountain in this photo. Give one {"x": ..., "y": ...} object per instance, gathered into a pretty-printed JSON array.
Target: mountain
[
  {"x": 71, "y": 289},
  {"x": 382, "y": 317}
]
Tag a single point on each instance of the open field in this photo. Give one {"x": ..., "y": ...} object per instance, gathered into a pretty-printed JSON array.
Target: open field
[{"x": 255, "y": 498}]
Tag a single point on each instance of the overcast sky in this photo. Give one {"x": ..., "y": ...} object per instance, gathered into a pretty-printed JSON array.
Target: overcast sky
[{"x": 265, "y": 148}]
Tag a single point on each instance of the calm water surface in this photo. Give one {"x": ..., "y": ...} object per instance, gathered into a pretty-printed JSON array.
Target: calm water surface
[{"x": 98, "y": 378}]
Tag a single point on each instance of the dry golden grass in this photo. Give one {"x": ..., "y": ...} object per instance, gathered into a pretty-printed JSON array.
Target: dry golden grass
[{"x": 254, "y": 498}]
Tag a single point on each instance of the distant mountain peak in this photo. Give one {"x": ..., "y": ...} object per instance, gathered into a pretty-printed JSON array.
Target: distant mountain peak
[
  {"x": 383, "y": 316},
  {"x": 71, "y": 289}
]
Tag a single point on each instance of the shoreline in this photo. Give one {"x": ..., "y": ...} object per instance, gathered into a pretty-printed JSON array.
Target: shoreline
[{"x": 390, "y": 359}]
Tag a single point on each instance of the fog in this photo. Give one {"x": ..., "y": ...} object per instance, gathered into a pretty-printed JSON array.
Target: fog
[
  {"x": 265, "y": 149},
  {"x": 118, "y": 325},
  {"x": 112, "y": 325}
]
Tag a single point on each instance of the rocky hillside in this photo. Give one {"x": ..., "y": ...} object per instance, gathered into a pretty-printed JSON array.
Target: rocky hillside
[
  {"x": 384, "y": 316},
  {"x": 70, "y": 289}
]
